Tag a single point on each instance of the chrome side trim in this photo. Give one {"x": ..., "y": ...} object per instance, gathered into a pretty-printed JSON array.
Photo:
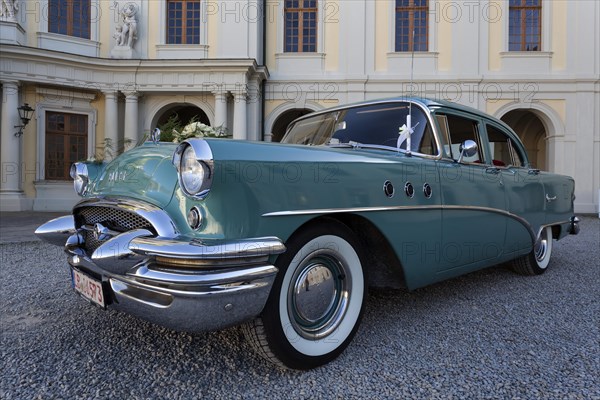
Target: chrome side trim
[
  {"x": 57, "y": 231},
  {"x": 208, "y": 249},
  {"x": 322, "y": 211},
  {"x": 159, "y": 219}
]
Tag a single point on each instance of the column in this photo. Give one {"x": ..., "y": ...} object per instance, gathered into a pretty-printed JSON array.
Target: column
[
  {"x": 131, "y": 135},
  {"x": 239, "y": 116},
  {"x": 11, "y": 195},
  {"x": 111, "y": 124},
  {"x": 220, "y": 109}
]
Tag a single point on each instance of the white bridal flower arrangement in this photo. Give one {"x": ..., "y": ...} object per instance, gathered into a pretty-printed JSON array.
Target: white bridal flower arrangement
[{"x": 198, "y": 130}]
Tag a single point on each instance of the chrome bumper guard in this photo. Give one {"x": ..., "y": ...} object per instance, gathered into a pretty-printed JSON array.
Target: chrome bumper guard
[
  {"x": 180, "y": 283},
  {"x": 574, "y": 226}
]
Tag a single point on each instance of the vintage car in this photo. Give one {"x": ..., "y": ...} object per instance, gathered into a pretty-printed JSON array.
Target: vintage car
[{"x": 285, "y": 238}]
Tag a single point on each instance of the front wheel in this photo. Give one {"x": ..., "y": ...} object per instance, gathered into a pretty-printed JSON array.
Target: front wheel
[
  {"x": 317, "y": 299},
  {"x": 536, "y": 262}
]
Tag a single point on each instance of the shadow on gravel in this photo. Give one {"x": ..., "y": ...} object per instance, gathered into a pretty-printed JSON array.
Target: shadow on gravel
[{"x": 491, "y": 333}]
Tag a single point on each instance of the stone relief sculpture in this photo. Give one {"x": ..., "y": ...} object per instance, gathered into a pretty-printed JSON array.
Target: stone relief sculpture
[
  {"x": 8, "y": 10},
  {"x": 126, "y": 33}
]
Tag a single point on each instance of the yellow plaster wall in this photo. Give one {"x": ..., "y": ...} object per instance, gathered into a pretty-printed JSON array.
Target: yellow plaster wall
[
  {"x": 33, "y": 12},
  {"x": 105, "y": 13},
  {"x": 559, "y": 33},
  {"x": 332, "y": 35},
  {"x": 154, "y": 24},
  {"x": 274, "y": 7},
  {"x": 212, "y": 31},
  {"x": 492, "y": 106},
  {"x": 558, "y": 106},
  {"x": 444, "y": 40},
  {"x": 271, "y": 105},
  {"x": 496, "y": 32},
  {"x": 98, "y": 104},
  {"x": 382, "y": 36},
  {"x": 29, "y": 139}
]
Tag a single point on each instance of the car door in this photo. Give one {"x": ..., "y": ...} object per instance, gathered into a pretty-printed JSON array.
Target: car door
[
  {"x": 473, "y": 199},
  {"x": 524, "y": 188}
]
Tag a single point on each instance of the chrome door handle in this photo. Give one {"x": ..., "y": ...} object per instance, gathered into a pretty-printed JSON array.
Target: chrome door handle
[{"x": 549, "y": 199}]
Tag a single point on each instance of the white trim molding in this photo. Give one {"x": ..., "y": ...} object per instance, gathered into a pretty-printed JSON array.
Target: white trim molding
[
  {"x": 70, "y": 44},
  {"x": 182, "y": 51},
  {"x": 70, "y": 101}
]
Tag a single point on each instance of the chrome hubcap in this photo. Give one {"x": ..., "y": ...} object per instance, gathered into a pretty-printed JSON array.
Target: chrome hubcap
[
  {"x": 541, "y": 247},
  {"x": 318, "y": 295}
]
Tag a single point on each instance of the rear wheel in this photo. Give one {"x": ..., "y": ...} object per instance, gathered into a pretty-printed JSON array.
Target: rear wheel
[
  {"x": 316, "y": 302},
  {"x": 536, "y": 262}
]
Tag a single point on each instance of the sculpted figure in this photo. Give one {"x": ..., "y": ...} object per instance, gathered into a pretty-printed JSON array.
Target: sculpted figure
[
  {"x": 8, "y": 9},
  {"x": 129, "y": 28}
]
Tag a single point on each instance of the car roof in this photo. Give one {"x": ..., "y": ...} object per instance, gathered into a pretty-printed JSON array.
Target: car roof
[{"x": 424, "y": 101}]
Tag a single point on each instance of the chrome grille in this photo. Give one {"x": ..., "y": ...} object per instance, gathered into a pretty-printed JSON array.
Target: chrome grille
[{"x": 113, "y": 218}]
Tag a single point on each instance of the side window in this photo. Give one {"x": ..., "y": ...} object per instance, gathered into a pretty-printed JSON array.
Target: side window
[
  {"x": 503, "y": 152},
  {"x": 379, "y": 124},
  {"x": 454, "y": 131}
]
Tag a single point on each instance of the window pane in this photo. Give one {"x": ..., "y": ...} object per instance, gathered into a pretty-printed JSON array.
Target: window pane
[
  {"x": 411, "y": 25},
  {"x": 459, "y": 130},
  {"x": 300, "y": 32},
  {"x": 183, "y": 22},
  {"x": 66, "y": 142},
  {"x": 525, "y": 25}
]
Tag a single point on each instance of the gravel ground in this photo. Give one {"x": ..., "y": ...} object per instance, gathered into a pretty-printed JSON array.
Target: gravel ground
[{"x": 490, "y": 334}]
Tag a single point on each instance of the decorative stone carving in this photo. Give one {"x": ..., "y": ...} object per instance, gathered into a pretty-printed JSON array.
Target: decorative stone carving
[
  {"x": 8, "y": 10},
  {"x": 126, "y": 33}
]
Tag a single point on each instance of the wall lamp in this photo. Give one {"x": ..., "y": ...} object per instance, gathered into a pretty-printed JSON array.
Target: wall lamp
[{"x": 25, "y": 113}]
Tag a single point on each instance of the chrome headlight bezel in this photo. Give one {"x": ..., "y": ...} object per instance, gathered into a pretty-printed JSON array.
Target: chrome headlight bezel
[
  {"x": 81, "y": 177},
  {"x": 194, "y": 162}
]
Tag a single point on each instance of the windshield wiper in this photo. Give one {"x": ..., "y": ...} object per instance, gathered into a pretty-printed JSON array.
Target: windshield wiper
[{"x": 357, "y": 145}]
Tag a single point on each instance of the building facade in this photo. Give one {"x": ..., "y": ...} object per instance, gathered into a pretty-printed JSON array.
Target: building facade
[{"x": 102, "y": 74}]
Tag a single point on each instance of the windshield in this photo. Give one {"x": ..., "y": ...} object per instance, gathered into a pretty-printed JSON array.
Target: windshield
[{"x": 376, "y": 124}]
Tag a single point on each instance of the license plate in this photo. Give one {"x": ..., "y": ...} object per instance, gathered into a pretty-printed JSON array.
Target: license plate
[{"x": 88, "y": 287}]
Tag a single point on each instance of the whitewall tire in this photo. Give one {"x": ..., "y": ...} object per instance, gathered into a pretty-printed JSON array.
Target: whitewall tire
[{"x": 317, "y": 300}]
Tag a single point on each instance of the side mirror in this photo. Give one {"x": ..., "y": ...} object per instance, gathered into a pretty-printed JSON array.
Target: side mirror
[{"x": 468, "y": 148}]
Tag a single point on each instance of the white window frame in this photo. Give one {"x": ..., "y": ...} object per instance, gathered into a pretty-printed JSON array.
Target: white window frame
[
  {"x": 321, "y": 12},
  {"x": 70, "y": 44},
  {"x": 546, "y": 31},
  {"x": 63, "y": 100},
  {"x": 431, "y": 28},
  {"x": 182, "y": 51}
]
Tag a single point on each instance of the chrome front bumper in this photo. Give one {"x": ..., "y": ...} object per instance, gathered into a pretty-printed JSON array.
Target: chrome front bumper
[{"x": 180, "y": 283}]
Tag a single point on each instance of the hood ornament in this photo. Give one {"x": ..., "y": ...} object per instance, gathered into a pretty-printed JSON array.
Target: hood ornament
[{"x": 102, "y": 233}]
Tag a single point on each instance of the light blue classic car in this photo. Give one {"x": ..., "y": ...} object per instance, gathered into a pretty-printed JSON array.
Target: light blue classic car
[{"x": 286, "y": 238}]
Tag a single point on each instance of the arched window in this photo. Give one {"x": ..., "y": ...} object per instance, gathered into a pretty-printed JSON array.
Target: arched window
[
  {"x": 525, "y": 25},
  {"x": 300, "y": 26},
  {"x": 412, "y": 22}
]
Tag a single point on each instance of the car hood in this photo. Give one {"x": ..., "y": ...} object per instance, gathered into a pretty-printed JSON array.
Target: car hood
[{"x": 144, "y": 173}]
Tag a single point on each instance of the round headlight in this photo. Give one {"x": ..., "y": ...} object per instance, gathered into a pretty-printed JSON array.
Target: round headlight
[
  {"x": 80, "y": 174},
  {"x": 194, "y": 162},
  {"x": 192, "y": 172}
]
